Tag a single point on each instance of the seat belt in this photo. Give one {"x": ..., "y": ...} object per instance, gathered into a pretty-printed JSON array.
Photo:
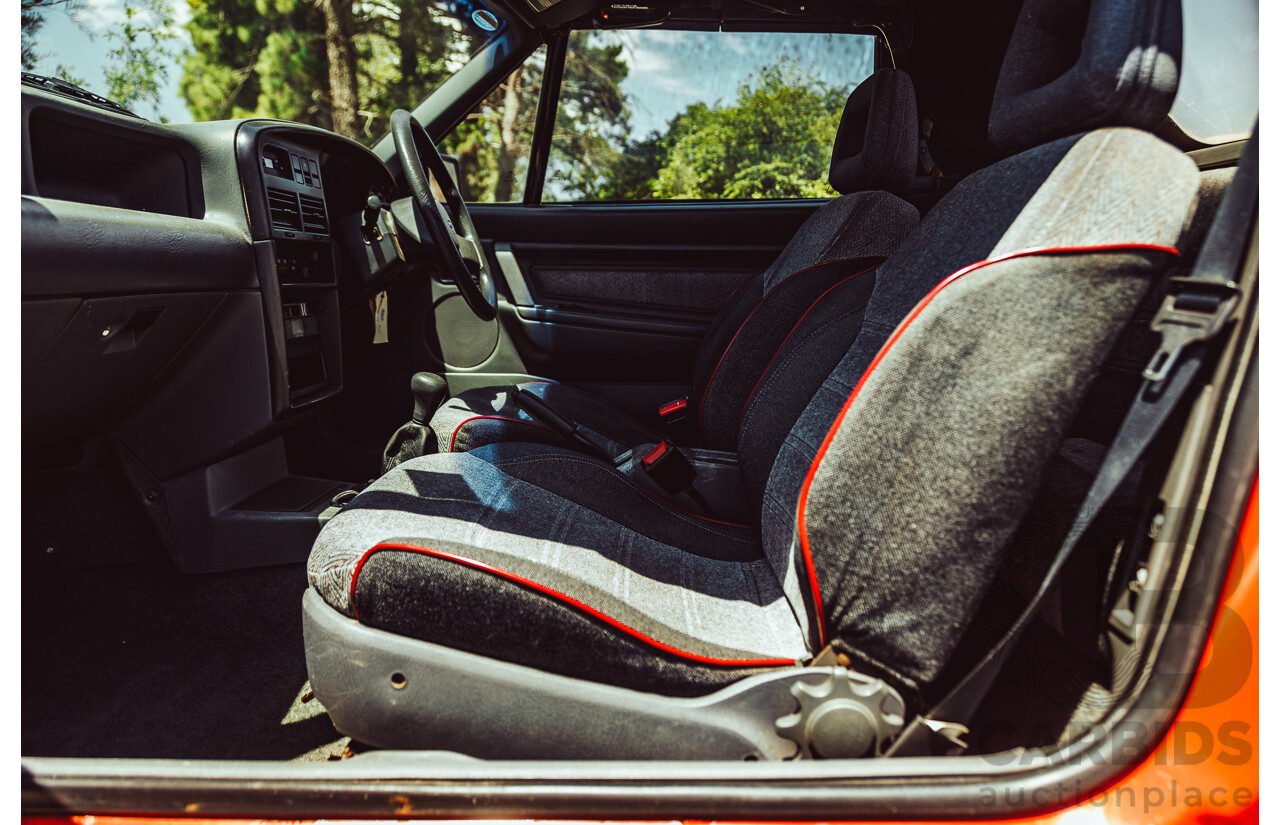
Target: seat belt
[{"x": 1193, "y": 314}]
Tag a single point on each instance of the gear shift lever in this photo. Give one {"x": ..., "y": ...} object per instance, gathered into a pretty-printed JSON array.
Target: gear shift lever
[
  {"x": 416, "y": 438},
  {"x": 429, "y": 392}
]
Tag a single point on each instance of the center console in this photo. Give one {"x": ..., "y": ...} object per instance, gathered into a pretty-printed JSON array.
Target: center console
[
  {"x": 249, "y": 507},
  {"x": 297, "y": 264}
]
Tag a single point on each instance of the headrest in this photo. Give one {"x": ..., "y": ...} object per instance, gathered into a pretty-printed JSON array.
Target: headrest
[
  {"x": 1076, "y": 65},
  {"x": 876, "y": 145}
]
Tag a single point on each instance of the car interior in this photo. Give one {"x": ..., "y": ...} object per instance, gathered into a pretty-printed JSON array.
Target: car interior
[{"x": 331, "y": 472}]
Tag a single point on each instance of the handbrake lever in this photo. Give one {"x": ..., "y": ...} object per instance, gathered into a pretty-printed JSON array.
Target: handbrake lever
[{"x": 541, "y": 412}]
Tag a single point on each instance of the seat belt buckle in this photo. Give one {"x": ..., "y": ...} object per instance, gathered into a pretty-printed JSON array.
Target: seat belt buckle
[
  {"x": 1196, "y": 310},
  {"x": 677, "y": 423},
  {"x": 668, "y": 468},
  {"x": 674, "y": 412}
]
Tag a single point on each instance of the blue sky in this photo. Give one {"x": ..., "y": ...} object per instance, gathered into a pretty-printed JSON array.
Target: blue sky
[
  {"x": 672, "y": 69},
  {"x": 669, "y": 69},
  {"x": 81, "y": 46}
]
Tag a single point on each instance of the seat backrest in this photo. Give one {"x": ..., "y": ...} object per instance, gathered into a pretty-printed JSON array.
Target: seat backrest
[
  {"x": 1074, "y": 65},
  {"x": 887, "y": 503},
  {"x": 874, "y": 154}
]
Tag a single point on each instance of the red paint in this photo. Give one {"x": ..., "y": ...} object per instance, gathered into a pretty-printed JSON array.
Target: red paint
[
  {"x": 567, "y": 599},
  {"x": 802, "y": 526}
]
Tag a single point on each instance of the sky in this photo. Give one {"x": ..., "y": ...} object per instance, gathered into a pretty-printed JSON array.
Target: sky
[
  {"x": 669, "y": 69},
  {"x": 81, "y": 47}
]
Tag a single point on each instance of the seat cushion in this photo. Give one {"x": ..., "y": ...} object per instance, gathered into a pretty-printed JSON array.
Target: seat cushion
[
  {"x": 541, "y": 556},
  {"x": 488, "y": 415}
]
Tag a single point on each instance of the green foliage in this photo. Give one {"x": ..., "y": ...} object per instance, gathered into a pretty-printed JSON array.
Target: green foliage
[
  {"x": 141, "y": 55},
  {"x": 493, "y": 142},
  {"x": 255, "y": 58},
  {"x": 592, "y": 119},
  {"x": 591, "y": 125},
  {"x": 34, "y": 13},
  {"x": 268, "y": 58},
  {"x": 325, "y": 61},
  {"x": 773, "y": 142}
]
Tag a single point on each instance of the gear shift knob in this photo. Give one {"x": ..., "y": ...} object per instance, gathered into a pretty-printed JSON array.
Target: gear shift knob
[{"x": 429, "y": 392}]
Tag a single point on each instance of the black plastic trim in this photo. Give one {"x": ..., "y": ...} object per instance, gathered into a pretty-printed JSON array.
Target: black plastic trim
[{"x": 545, "y": 121}]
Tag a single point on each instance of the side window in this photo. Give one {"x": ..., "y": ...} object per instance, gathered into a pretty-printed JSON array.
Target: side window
[
  {"x": 492, "y": 144},
  {"x": 1217, "y": 98},
  {"x": 654, "y": 114}
]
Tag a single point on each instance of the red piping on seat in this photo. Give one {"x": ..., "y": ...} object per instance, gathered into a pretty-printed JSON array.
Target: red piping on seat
[
  {"x": 781, "y": 346},
  {"x": 743, "y": 283},
  {"x": 802, "y": 526},
  {"x": 555, "y": 594},
  {"x": 454, "y": 438},
  {"x": 702, "y": 402}
]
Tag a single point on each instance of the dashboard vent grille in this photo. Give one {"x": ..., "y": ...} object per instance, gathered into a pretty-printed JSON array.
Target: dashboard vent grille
[
  {"x": 313, "y": 219},
  {"x": 284, "y": 210}
]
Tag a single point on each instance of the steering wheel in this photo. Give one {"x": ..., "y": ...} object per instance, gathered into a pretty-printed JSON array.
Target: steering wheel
[{"x": 448, "y": 223}]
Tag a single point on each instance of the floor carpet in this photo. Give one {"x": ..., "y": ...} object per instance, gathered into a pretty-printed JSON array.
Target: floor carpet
[{"x": 139, "y": 661}]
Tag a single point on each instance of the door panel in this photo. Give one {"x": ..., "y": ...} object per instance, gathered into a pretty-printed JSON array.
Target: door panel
[{"x": 617, "y": 297}]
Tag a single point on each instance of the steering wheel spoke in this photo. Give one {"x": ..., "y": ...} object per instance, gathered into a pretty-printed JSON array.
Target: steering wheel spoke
[{"x": 448, "y": 223}]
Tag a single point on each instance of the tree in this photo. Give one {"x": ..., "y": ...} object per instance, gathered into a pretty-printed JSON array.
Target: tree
[
  {"x": 339, "y": 43},
  {"x": 773, "y": 142},
  {"x": 256, "y": 58},
  {"x": 34, "y": 13},
  {"x": 494, "y": 141},
  {"x": 337, "y": 64},
  {"x": 141, "y": 55},
  {"x": 592, "y": 118}
]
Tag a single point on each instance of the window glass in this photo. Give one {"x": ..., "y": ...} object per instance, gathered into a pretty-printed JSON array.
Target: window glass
[
  {"x": 654, "y": 114},
  {"x": 343, "y": 67},
  {"x": 1217, "y": 98},
  {"x": 492, "y": 143}
]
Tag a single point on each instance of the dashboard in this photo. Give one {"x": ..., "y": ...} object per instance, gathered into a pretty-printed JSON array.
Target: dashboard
[{"x": 188, "y": 271}]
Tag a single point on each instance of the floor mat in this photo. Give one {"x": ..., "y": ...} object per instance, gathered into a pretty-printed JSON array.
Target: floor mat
[{"x": 140, "y": 661}]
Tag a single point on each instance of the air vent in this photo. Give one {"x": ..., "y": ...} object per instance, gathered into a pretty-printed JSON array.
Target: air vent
[
  {"x": 313, "y": 219},
  {"x": 284, "y": 210}
]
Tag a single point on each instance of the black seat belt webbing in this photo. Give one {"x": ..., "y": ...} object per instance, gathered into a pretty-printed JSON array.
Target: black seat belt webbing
[{"x": 1194, "y": 312}]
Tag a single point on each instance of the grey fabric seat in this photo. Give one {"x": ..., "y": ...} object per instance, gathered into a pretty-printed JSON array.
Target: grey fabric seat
[
  {"x": 889, "y": 469},
  {"x": 904, "y": 525},
  {"x": 840, "y": 244},
  {"x": 664, "y": 601}
]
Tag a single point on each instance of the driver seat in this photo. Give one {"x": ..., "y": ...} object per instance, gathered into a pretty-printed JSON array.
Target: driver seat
[{"x": 875, "y": 153}]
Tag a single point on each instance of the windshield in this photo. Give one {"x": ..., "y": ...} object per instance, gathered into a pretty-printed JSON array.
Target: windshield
[{"x": 340, "y": 65}]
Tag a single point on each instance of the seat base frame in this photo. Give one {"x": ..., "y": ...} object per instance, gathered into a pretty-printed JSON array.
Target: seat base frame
[{"x": 390, "y": 691}]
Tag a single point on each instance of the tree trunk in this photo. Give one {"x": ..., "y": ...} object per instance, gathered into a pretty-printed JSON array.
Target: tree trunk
[
  {"x": 505, "y": 184},
  {"x": 407, "y": 42},
  {"x": 339, "y": 34}
]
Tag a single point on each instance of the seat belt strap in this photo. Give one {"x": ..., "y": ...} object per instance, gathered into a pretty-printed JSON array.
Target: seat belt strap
[{"x": 1194, "y": 312}]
